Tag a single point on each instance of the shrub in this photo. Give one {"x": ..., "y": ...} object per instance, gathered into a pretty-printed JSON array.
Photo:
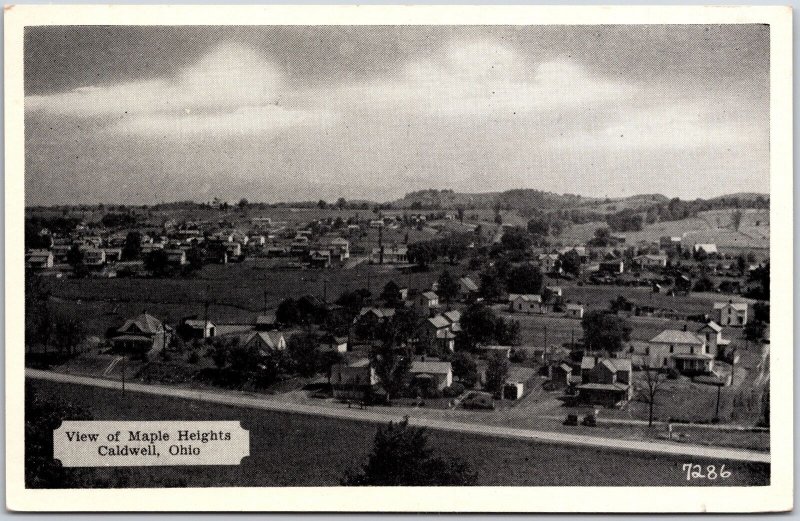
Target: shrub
[
  {"x": 193, "y": 357},
  {"x": 454, "y": 390},
  {"x": 518, "y": 356}
]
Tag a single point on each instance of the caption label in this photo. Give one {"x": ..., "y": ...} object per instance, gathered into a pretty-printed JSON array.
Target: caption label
[{"x": 147, "y": 443}]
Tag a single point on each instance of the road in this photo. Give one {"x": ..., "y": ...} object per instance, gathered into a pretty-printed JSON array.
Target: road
[{"x": 373, "y": 416}]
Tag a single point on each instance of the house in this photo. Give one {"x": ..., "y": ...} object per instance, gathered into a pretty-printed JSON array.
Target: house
[
  {"x": 277, "y": 251},
  {"x": 438, "y": 329},
  {"x": 197, "y": 329},
  {"x": 526, "y": 303},
  {"x": 94, "y": 257},
  {"x": 440, "y": 374},
  {"x": 547, "y": 261},
  {"x": 151, "y": 247},
  {"x": 561, "y": 375},
  {"x": 651, "y": 261},
  {"x": 341, "y": 248},
  {"x": 377, "y": 223},
  {"x": 708, "y": 249},
  {"x": 265, "y": 322},
  {"x": 467, "y": 287},
  {"x": 233, "y": 249},
  {"x": 489, "y": 350},
  {"x": 730, "y": 313},
  {"x": 176, "y": 257},
  {"x": 684, "y": 351},
  {"x": 39, "y": 259},
  {"x": 319, "y": 258},
  {"x": 454, "y": 317},
  {"x": 333, "y": 344},
  {"x": 389, "y": 255},
  {"x": 574, "y": 310},
  {"x": 605, "y": 381},
  {"x": 555, "y": 291},
  {"x": 712, "y": 332},
  {"x": 612, "y": 266},
  {"x": 113, "y": 254},
  {"x": 141, "y": 335},
  {"x": 426, "y": 303},
  {"x": 266, "y": 341},
  {"x": 353, "y": 379},
  {"x": 670, "y": 244},
  {"x": 369, "y": 319}
]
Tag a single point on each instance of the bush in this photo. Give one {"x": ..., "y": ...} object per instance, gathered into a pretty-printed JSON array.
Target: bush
[
  {"x": 672, "y": 373},
  {"x": 518, "y": 356},
  {"x": 454, "y": 390},
  {"x": 193, "y": 357}
]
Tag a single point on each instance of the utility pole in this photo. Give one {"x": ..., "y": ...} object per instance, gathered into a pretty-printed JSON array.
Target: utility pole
[
  {"x": 380, "y": 245},
  {"x": 265, "y": 301},
  {"x": 546, "y": 357},
  {"x": 123, "y": 374},
  {"x": 719, "y": 391}
]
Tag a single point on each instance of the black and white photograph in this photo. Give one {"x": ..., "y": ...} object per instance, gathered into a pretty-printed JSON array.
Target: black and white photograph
[{"x": 388, "y": 254}]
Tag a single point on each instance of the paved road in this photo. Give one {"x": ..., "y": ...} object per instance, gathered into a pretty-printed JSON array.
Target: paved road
[{"x": 240, "y": 400}]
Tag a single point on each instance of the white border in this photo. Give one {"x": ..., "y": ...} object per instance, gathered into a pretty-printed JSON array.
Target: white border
[{"x": 776, "y": 497}]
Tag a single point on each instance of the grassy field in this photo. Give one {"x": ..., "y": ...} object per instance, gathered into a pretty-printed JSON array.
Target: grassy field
[
  {"x": 297, "y": 450},
  {"x": 236, "y": 291}
]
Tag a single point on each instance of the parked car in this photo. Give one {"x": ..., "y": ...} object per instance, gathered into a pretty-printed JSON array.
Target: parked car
[
  {"x": 590, "y": 420},
  {"x": 571, "y": 420},
  {"x": 478, "y": 400}
]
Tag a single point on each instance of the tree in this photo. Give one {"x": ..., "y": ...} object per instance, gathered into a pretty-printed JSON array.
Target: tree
[
  {"x": 460, "y": 214},
  {"x": 491, "y": 284},
  {"x": 157, "y": 263},
  {"x": 322, "y": 204},
  {"x": 465, "y": 368},
  {"x": 539, "y": 227},
  {"x": 653, "y": 380},
  {"x": 401, "y": 457},
  {"x": 525, "y": 278},
  {"x": 341, "y": 203},
  {"x": 506, "y": 332},
  {"x": 478, "y": 324},
  {"x": 496, "y": 372},
  {"x": 391, "y": 366},
  {"x": 602, "y": 237},
  {"x": 515, "y": 238},
  {"x": 37, "y": 311},
  {"x": 287, "y": 313},
  {"x": 132, "y": 247},
  {"x": 448, "y": 286},
  {"x": 243, "y": 203},
  {"x": 571, "y": 263},
  {"x": 75, "y": 256},
  {"x": 603, "y": 331},
  {"x": 736, "y": 219},
  {"x": 421, "y": 253},
  {"x": 304, "y": 353},
  {"x": 42, "y": 417},
  {"x": 391, "y": 294}
]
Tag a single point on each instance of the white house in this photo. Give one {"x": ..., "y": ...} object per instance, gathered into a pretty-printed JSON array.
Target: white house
[
  {"x": 683, "y": 350},
  {"x": 730, "y": 313},
  {"x": 391, "y": 255},
  {"x": 709, "y": 249},
  {"x": 440, "y": 373},
  {"x": 266, "y": 341},
  {"x": 39, "y": 259},
  {"x": 574, "y": 310},
  {"x": 526, "y": 303}
]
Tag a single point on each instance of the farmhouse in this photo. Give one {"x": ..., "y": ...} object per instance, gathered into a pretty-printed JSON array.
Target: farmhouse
[
  {"x": 713, "y": 335},
  {"x": 265, "y": 322},
  {"x": 612, "y": 267},
  {"x": 605, "y": 381},
  {"x": 438, "y": 330},
  {"x": 708, "y": 249},
  {"x": 526, "y": 303},
  {"x": 547, "y": 261},
  {"x": 651, "y": 261},
  {"x": 730, "y": 313},
  {"x": 94, "y": 257},
  {"x": 426, "y": 303},
  {"x": 176, "y": 257},
  {"x": 682, "y": 350}
]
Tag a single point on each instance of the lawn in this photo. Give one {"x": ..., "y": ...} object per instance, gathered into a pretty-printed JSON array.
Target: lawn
[{"x": 298, "y": 450}]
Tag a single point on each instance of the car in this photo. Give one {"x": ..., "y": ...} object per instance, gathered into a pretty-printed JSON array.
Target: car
[
  {"x": 590, "y": 420},
  {"x": 571, "y": 420},
  {"x": 478, "y": 400}
]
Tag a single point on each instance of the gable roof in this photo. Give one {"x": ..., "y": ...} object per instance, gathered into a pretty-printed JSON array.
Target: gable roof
[
  {"x": 439, "y": 322},
  {"x": 430, "y": 295},
  {"x": 712, "y": 325},
  {"x": 673, "y": 336},
  {"x": 468, "y": 283},
  {"x": 524, "y": 298},
  {"x": 612, "y": 364},
  {"x": 419, "y": 366},
  {"x": 270, "y": 339},
  {"x": 452, "y": 316},
  {"x": 738, "y": 306},
  {"x": 145, "y": 322}
]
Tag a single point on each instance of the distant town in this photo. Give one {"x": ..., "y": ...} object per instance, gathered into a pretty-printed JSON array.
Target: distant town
[{"x": 641, "y": 318}]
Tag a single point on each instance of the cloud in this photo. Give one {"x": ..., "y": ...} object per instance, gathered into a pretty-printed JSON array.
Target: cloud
[
  {"x": 486, "y": 79},
  {"x": 670, "y": 126},
  {"x": 231, "y": 90}
]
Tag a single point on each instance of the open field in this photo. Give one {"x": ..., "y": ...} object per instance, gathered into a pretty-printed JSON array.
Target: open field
[
  {"x": 236, "y": 291},
  {"x": 332, "y": 446},
  {"x": 708, "y": 227}
]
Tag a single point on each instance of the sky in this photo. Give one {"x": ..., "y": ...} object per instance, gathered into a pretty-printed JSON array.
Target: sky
[{"x": 141, "y": 115}]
